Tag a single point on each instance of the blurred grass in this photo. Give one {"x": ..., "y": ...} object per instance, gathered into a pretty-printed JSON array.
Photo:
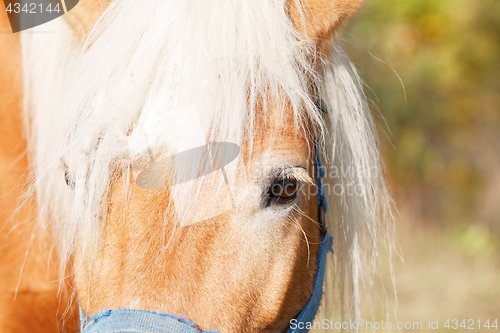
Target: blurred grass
[
  {"x": 432, "y": 68},
  {"x": 447, "y": 274}
]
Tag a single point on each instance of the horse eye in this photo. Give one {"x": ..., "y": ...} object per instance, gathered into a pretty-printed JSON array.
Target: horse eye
[
  {"x": 68, "y": 179},
  {"x": 284, "y": 190}
]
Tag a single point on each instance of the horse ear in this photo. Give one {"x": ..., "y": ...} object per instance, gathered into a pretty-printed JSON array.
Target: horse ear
[{"x": 319, "y": 19}]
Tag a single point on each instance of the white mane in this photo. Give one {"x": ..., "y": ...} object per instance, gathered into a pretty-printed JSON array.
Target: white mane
[{"x": 88, "y": 109}]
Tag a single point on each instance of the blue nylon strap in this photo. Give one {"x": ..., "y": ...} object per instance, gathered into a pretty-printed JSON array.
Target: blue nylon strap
[
  {"x": 308, "y": 313},
  {"x": 126, "y": 320},
  {"x": 320, "y": 173}
]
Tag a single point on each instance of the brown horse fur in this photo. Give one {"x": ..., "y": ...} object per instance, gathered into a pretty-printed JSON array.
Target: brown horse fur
[
  {"x": 29, "y": 300},
  {"x": 241, "y": 295}
]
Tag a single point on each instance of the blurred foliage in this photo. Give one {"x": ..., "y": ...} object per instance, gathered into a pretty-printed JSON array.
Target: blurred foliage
[{"x": 441, "y": 134}]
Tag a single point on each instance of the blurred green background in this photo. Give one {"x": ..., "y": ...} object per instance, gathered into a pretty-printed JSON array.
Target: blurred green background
[{"x": 432, "y": 72}]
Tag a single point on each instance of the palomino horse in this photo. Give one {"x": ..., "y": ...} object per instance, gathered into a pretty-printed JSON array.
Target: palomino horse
[{"x": 102, "y": 219}]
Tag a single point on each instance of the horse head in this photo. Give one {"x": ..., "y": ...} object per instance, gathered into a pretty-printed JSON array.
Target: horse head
[{"x": 133, "y": 109}]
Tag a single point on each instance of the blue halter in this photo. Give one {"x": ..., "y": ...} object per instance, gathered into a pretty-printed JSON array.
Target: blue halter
[
  {"x": 127, "y": 320},
  {"x": 308, "y": 313}
]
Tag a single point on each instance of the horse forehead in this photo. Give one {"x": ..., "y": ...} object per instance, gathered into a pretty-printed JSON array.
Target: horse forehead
[{"x": 277, "y": 130}]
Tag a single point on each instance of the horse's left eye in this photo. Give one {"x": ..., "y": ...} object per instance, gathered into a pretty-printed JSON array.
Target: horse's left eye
[{"x": 284, "y": 190}]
